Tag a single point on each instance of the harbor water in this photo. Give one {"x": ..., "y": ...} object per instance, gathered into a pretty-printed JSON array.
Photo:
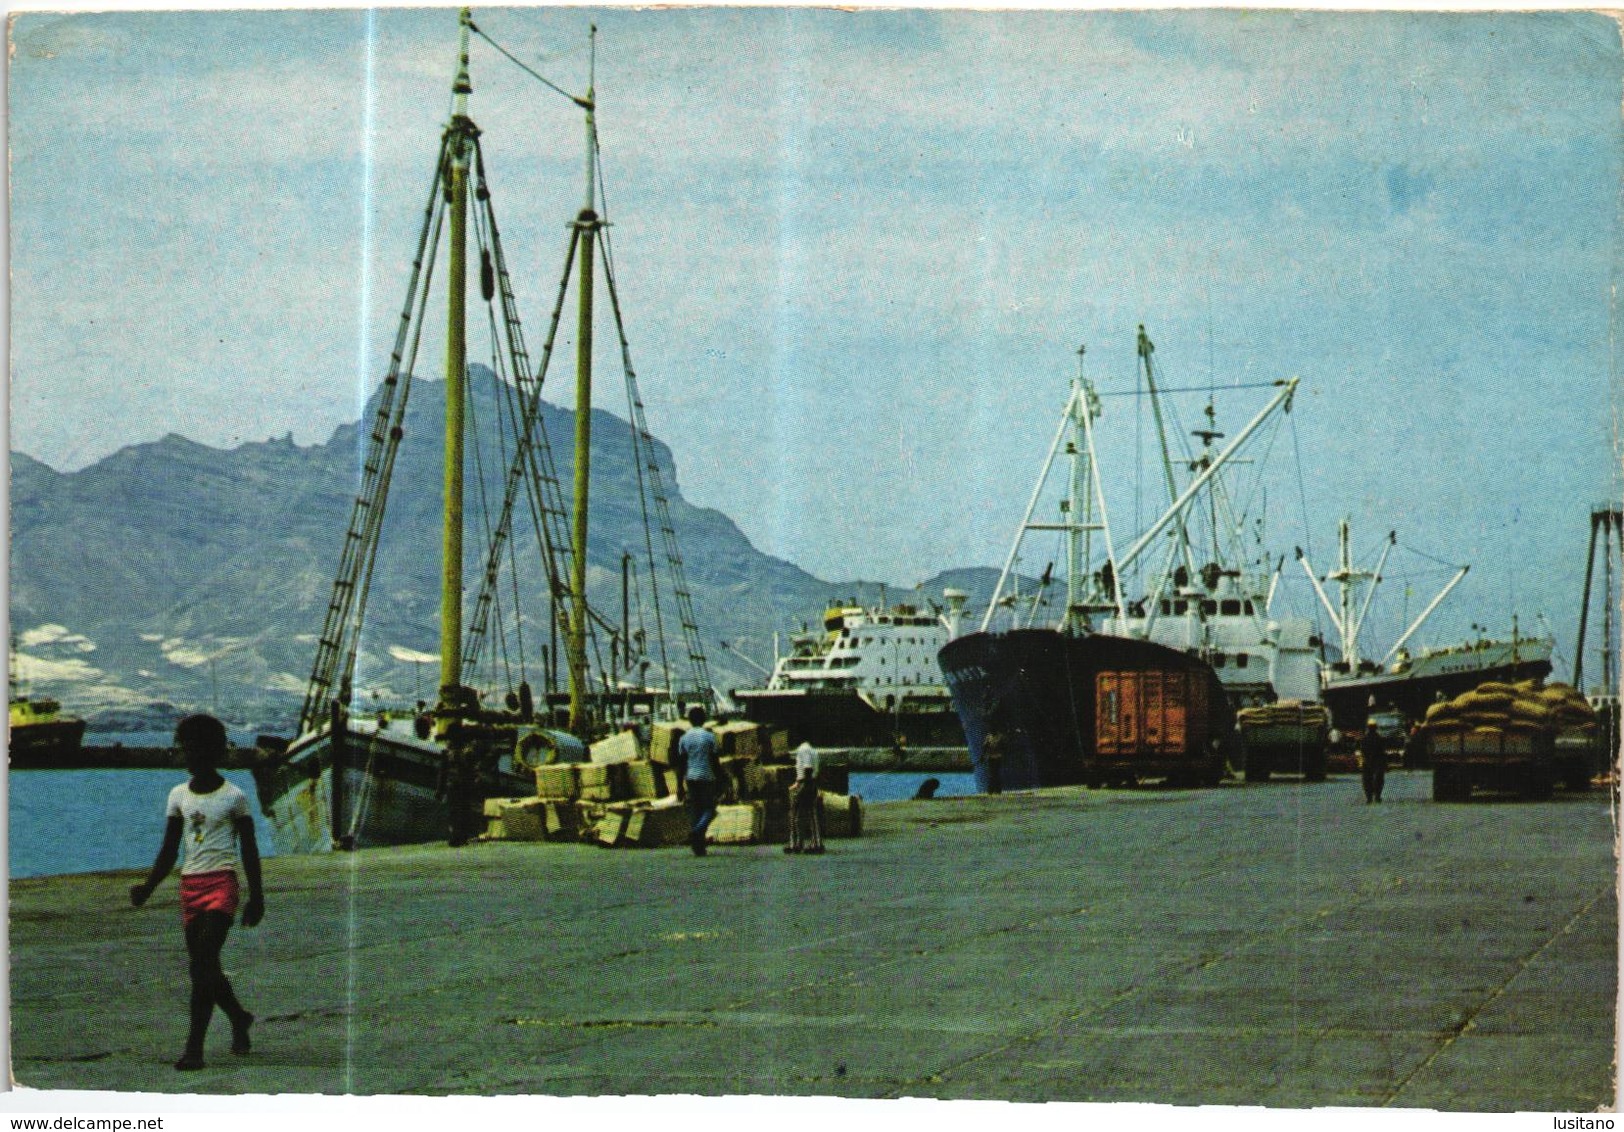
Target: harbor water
[{"x": 83, "y": 821}]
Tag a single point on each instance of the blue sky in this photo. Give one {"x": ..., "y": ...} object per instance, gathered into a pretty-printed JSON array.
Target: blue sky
[{"x": 857, "y": 251}]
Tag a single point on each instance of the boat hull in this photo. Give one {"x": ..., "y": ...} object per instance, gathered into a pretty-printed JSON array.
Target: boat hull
[
  {"x": 368, "y": 789},
  {"x": 1412, "y": 692},
  {"x": 1040, "y": 694},
  {"x": 46, "y": 743},
  {"x": 842, "y": 718}
]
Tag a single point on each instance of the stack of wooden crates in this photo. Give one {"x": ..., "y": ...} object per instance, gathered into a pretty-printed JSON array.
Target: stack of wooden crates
[{"x": 626, "y": 797}]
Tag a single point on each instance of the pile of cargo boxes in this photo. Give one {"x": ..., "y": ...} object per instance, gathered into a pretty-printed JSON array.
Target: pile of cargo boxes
[{"x": 626, "y": 797}]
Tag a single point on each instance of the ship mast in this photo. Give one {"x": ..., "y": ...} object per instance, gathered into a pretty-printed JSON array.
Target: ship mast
[
  {"x": 586, "y": 228},
  {"x": 460, "y": 151}
]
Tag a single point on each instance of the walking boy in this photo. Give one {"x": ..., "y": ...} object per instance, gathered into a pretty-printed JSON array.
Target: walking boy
[{"x": 210, "y": 817}]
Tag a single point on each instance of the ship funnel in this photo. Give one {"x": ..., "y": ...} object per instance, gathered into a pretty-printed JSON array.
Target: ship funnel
[{"x": 955, "y": 610}]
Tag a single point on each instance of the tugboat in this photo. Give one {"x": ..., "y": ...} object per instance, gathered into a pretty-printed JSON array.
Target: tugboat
[
  {"x": 1356, "y": 686},
  {"x": 869, "y": 678},
  {"x": 351, "y": 779},
  {"x": 1130, "y": 686},
  {"x": 40, "y": 735}
]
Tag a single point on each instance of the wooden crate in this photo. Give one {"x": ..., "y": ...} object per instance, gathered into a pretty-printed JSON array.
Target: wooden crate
[
  {"x": 493, "y": 806},
  {"x": 596, "y": 782},
  {"x": 741, "y": 739},
  {"x": 562, "y": 821},
  {"x": 611, "y": 828},
  {"x": 768, "y": 780},
  {"x": 664, "y": 741},
  {"x": 653, "y": 827},
  {"x": 621, "y": 747},
  {"x": 842, "y": 815},
  {"x": 558, "y": 780},
  {"x": 525, "y": 821},
  {"x": 742, "y": 824},
  {"x": 645, "y": 779}
]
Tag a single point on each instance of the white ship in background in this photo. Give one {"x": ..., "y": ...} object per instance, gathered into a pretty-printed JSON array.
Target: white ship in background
[{"x": 867, "y": 678}]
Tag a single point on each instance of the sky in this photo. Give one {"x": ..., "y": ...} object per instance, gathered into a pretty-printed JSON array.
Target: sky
[{"x": 857, "y": 253}]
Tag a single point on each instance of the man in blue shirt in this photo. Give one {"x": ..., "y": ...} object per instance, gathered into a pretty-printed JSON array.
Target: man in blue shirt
[{"x": 700, "y": 771}]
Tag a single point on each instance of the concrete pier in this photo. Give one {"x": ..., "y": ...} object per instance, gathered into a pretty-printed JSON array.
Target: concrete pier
[{"x": 1278, "y": 944}]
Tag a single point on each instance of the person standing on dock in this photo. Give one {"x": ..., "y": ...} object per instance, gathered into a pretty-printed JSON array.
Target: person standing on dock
[
  {"x": 1373, "y": 764},
  {"x": 699, "y": 770},
  {"x": 805, "y": 804},
  {"x": 211, "y": 817}
]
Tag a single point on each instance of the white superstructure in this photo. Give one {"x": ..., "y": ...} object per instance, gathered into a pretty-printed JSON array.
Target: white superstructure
[{"x": 886, "y": 655}]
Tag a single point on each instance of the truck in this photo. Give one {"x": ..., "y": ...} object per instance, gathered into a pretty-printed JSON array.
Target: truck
[
  {"x": 1287, "y": 737},
  {"x": 1520, "y": 760}
]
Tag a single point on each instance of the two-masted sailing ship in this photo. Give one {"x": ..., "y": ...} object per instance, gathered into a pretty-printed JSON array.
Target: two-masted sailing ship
[{"x": 353, "y": 777}]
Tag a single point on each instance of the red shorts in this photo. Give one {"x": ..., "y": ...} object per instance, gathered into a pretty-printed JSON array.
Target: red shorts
[{"x": 208, "y": 892}]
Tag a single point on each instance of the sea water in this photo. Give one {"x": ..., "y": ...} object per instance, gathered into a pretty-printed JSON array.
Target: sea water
[{"x": 85, "y": 821}]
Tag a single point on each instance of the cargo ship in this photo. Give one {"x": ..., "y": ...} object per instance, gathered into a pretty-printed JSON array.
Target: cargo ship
[
  {"x": 1356, "y": 685},
  {"x": 1141, "y": 684},
  {"x": 869, "y": 678},
  {"x": 1045, "y": 708}
]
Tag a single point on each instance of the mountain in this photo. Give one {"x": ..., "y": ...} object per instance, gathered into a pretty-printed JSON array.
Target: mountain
[{"x": 171, "y": 576}]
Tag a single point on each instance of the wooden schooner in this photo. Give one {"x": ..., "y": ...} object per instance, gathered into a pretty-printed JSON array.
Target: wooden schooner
[{"x": 351, "y": 779}]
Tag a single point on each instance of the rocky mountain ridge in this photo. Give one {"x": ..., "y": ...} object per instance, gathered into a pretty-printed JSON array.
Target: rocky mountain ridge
[{"x": 171, "y": 576}]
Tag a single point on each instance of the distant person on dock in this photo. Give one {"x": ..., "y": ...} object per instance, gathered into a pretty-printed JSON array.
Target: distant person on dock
[
  {"x": 805, "y": 804},
  {"x": 699, "y": 771},
  {"x": 212, "y": 817},
  {"x": 1373, "y": 764}
]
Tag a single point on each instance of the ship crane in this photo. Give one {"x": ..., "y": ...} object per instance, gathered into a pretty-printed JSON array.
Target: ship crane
[{"x": 1347, "y": 577}]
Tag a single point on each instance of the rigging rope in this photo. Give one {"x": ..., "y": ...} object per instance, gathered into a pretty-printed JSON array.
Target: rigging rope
[{"x": 550, "y": 85}]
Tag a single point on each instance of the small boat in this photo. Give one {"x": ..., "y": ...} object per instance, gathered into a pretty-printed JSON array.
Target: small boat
[
  {"x": 351, "y": 778},
  {"x": 1141, "y": 674},
  {"x": 868, "y": 678}
]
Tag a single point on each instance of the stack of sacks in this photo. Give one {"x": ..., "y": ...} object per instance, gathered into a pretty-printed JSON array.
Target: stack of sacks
[
  {"x": 1495, "y": 708},
  {"x": 1568, "y": 705},
  {"x": 1285, "y": 713}
]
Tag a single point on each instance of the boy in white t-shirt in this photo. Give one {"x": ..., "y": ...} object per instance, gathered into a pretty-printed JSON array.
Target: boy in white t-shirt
[{"x": 211, "y": 817}]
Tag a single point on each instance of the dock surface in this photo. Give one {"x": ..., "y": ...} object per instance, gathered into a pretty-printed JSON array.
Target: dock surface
[{"x": 1277, "y": 944}]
